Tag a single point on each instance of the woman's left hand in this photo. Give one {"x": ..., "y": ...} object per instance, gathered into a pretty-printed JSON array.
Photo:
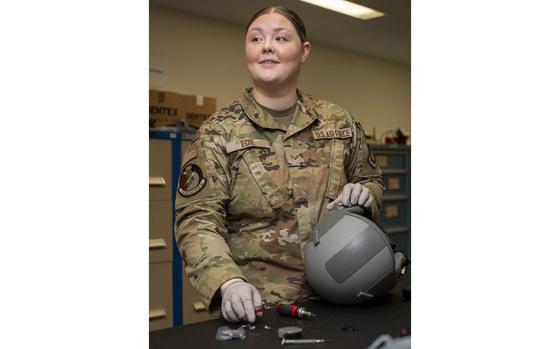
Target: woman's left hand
[{"x": 353, "y": 194}]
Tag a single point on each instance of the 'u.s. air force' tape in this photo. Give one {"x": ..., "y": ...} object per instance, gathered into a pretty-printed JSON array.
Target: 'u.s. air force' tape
[{"x": 328, "y": 134}]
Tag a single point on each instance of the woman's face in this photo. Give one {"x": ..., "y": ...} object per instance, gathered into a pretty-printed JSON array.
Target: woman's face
[{"x": 274, "y": 51}]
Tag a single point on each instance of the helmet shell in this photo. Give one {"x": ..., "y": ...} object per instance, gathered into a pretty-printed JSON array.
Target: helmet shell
[{"x": 349, "y": 259}]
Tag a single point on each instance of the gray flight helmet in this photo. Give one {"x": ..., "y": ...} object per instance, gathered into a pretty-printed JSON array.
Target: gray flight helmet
[{"x": 349, "y": 259}]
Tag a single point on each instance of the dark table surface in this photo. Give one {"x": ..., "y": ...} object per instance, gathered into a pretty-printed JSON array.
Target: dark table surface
[{"x": 388, "y": 315}]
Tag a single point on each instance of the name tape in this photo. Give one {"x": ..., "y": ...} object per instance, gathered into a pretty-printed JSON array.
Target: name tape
[{"x": 246, "y": 143}]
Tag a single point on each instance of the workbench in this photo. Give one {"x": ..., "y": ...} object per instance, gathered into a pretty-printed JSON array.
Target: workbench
[{"x": 388, "y": 315}]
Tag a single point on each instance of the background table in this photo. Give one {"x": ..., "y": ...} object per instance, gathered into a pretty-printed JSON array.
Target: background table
[{"x": 388, "y": 314}]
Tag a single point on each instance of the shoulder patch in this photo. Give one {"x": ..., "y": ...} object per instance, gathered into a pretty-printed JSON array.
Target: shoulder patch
[{"x": 191, "y": 180}]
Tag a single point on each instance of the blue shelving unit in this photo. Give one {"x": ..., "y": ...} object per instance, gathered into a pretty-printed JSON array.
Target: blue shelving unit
[
  {"x": 394, "y": 161},
  {"x": 176, "y": 138}
]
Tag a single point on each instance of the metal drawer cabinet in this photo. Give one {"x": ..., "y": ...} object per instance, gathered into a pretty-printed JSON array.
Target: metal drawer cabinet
[
  {"x": 160, "y": 169},
  {"x": 394, "y": 214},
  {"x": 161, "y": 301},
  {"x": 388, "y": 158},
  {"x": 166, "y": 273},
  {"x": 161, "y": 235},
  {"x": 394, "y": 161},
  {"x": 396, "y": 182}
]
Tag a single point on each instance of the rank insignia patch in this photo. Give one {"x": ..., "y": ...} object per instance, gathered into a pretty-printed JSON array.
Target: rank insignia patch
[{"x": 191, "y": 181}]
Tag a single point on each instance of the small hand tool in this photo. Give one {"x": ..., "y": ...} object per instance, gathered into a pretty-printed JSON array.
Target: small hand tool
[
  {"x": 306, "y": 341},
  {"x": 263, "y": 307},
  {"x": 294, "y": 311}
]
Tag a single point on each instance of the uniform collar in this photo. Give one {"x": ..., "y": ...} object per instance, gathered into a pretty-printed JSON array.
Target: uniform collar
[{"x": 304, "y": 115}]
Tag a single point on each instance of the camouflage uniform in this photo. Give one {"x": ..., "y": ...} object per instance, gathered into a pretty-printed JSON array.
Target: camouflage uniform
[{"x": 250, "y": 193}]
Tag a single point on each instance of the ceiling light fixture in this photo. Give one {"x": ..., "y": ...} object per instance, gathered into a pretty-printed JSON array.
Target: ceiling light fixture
[{"x": 347, "y": 8}]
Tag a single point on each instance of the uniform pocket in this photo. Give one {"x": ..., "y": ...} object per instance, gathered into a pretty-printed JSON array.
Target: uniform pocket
[
  {"x": 253, "y": 192},
  {"x": 274, "y": 195}
]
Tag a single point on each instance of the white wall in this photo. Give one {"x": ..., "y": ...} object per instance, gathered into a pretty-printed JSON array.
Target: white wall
[{"x": 201, "y": 56}]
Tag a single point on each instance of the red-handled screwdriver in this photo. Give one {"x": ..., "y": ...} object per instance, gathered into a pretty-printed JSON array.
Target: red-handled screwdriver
[
  {"x": 263, "y": 307},
  {"x": 294, "y": 311}
]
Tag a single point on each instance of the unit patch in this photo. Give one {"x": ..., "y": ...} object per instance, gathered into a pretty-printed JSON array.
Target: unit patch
[
  {"x": 191, "y": 181},
  {"x": 328, "y": 134}
]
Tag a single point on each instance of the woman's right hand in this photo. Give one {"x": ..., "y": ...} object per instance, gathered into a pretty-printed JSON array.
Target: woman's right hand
[{"x": 239, "y": 300}]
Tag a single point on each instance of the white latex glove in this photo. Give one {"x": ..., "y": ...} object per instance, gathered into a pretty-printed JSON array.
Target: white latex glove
[
  {"x": 239, "y": 300},
  {"x": 353, "y": 194}
]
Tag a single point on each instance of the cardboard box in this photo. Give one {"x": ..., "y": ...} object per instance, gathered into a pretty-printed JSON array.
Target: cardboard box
[
  {"x": 196, "y": 109},
  {"x": 176, "y": 110},
  {"x": 165, "y": 108}
]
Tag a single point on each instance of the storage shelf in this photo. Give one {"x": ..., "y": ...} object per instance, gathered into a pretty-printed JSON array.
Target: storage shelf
[
  {"x": 394, "y": 219},
  {"x": 395, "y": 197},
  {"x": 396, "y": 230}
]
